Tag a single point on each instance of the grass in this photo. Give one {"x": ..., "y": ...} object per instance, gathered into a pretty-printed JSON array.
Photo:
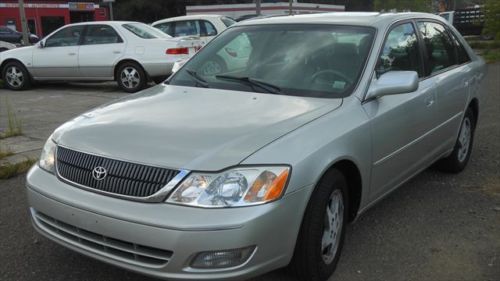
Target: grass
[
  {"x": 485, "y": 44},
  {"x": 8, "y": 171},
  {"x": 14, "y": 125},
  {"x": 4, "y": 152},
  {"x": 491, "y": 55}
]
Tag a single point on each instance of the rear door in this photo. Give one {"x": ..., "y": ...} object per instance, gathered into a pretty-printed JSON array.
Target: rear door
[
  {"x": 402, "y": 124},
  {"x": 101, "y": 48},
  {"x": 58, "y": 59},
  {"x": 447, "y": 66}
]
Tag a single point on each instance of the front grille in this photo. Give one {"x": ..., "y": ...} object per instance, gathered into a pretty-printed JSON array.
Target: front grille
[
  {"x": 123, "y": 178},
  {"x": 118, "y": 249}
]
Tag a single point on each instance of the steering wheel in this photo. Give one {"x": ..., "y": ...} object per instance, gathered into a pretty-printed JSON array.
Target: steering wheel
[{"x": 341, "y": 75}]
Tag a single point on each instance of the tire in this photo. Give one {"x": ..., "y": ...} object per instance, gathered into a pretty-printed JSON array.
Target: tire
[
  {"x": 213, "y": 66},
  {"x": 312, "y": 261},
  {"x": 15, "y": 76},
  {"x": 131, "y": 77},
  {"x": 458, "y": 159}
]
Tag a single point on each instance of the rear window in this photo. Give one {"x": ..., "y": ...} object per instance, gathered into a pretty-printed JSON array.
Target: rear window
[{"x": 144, "y": 31}]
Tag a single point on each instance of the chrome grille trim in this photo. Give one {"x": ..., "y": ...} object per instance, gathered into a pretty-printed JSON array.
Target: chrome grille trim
[
  {"x": 103, "y": 245},
  {"x": 147, "y": 184}
]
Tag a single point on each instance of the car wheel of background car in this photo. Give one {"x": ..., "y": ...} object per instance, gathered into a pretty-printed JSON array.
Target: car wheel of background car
[
  {"x": 458, "y": 159},
  {"x": 322, "y": 232},
  {"x": 131, "y": 77},
  {"x": 15, "y": 76},
  {"x": 213, "y": 67}
]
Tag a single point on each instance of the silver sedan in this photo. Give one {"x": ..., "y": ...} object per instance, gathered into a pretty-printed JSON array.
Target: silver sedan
[{"x": 230, "y": 172}]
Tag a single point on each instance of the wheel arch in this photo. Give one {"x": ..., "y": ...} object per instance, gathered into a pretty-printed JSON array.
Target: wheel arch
[
  {"x": 122, "y": 61},
  {"x": 353, "y": 177},
  {"x": 474, "y": 106}
]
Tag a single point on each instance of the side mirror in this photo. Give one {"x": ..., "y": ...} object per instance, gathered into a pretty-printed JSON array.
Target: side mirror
[
  {"x": 393, "y": 83},
  {"x": 41, "y": 44}
]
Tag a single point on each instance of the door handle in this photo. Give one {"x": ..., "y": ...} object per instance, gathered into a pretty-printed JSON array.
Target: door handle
[
  {"x": 72, "y": 54},
  {"x": 116, "y": 52}
]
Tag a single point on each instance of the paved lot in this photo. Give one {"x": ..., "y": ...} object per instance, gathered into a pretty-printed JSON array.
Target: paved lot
[{"x": 435, "y": 227}]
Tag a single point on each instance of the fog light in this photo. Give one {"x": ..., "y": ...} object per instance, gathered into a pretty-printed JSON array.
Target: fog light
[{"x": 222, "y": 258}]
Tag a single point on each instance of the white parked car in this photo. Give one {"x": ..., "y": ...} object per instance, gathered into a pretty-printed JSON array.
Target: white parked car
[
  {"x": 129, "y": 52},
  {"x": 204, "y": 26},
  {"x": 4, "y": 46}
]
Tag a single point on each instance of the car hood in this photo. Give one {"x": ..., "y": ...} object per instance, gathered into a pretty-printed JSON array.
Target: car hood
[{"x": 189, "y": 128}]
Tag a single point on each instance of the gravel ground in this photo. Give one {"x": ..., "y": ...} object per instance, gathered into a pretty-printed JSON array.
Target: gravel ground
[{"x": 435, "y": 227}]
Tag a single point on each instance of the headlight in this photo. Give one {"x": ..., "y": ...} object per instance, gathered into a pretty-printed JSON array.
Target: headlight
[
  {"x": 47, "y": 159},
  {"x": 242, "y": 186}
]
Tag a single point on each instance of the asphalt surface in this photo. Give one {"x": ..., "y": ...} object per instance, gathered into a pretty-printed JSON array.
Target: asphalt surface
[{"x": 435, "y": 227}]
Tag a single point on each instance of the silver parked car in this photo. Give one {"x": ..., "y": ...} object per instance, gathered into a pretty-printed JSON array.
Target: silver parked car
[{"x": 227, "y": 175}]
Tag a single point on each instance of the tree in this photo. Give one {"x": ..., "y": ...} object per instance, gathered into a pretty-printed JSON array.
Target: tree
[
  {"x": 403, "y": 5},
  {"x": 492, "y": 18}
]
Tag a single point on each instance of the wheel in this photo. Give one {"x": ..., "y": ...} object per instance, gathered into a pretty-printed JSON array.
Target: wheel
[
  {"x": 458, "y": 159},
  {"x": 131, "y": 77},
  {"x": 213, "y": 66},
  {"x": 15, "y": 76},
  {"x": 322, "y": 232}
]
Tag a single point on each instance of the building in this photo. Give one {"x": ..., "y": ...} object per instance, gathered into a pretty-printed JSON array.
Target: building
[
  {"x": 47, "y": 15},
  {"x": 273, "y": 8}
]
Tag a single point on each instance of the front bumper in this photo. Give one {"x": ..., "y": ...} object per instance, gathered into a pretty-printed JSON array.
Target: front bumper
[{"x": 72, "y": 217}]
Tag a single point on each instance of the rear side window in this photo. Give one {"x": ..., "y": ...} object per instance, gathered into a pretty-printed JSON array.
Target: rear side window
[
  {"x": 208, "y": 28},
  {"x": 462, "y": 55},
  {"x": 440, "y": 48},
  {"x": 401, "y": 51},
  {"x": 101, "y": 34},
  {"x": 144, "y": 31}
]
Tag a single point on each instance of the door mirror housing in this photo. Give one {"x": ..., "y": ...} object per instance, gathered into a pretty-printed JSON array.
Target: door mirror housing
[
  {"x": 41, "y": 44},
  {"x": 393, "y": 83}
]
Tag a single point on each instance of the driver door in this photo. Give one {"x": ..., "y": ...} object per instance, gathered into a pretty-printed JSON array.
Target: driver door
[
  {"x": 402, "y": 124},
  {"x": 58, "y": 59}
]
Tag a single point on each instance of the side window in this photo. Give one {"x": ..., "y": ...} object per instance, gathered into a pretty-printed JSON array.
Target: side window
[
  {"x": 208, "y": 28},
  {"x": 462, "y": 55},
  {"x": 101, "y": 34},
  {"x": 439, "y": 46},
  {"x": 166, "y": 27},
  {"x": 69, "y": 36},
  {"x": 187, "y": 28},
  {"x": 400, "y": 51}
]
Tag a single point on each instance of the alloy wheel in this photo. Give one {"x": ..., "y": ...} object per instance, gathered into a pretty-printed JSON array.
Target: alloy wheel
[
  {"x": 464, "y": 139},
  {"x": 130, "y": 77},
  {"x": 334, "y": 220},
  {"x": 14, "y": 77}
]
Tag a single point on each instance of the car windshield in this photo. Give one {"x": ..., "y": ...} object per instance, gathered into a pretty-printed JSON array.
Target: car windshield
[
  {"x": 144, "y": 31},
  {"x": 299, "y": 60}
]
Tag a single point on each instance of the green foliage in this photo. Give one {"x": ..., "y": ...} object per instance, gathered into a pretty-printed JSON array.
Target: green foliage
[
  {"x": 492, "y": 18},
  {"x": 491, "y": 55},
  {"x": 403, "y": 5},
  {"x": 484, "y": 44},
  {"x": 14, "y": 125},
  {"x": 4, "y": 152}
]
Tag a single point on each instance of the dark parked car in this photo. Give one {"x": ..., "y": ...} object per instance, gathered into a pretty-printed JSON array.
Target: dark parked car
[{"x": 13, "y": 36}]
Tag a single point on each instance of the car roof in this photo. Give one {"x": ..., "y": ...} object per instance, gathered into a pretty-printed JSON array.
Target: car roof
[
  {"x": 102, "y": 22},
  {"x": 344, "y": 18},
  {"x": 190, "y": 17}
]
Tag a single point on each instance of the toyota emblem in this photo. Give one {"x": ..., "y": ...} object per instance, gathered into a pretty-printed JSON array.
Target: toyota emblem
[{"x": 99, "y": 173}]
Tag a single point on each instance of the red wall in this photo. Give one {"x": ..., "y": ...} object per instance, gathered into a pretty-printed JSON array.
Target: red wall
[{"x": 6, "y": 14}]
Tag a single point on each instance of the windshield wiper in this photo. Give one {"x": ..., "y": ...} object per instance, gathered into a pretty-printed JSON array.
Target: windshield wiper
[
  {"x": 197, "y": 78},
  {"x": 268, "y": 87}
]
